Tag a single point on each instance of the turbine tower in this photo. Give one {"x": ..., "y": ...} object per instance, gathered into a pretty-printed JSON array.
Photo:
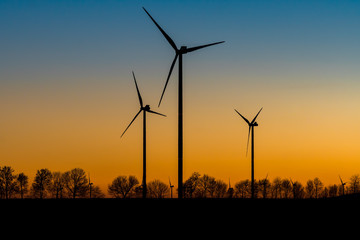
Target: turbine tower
[
  {"x": 144, "y": 110},
  {"x": 178, "y": 54},
  {"x": 251, "y": 124}
]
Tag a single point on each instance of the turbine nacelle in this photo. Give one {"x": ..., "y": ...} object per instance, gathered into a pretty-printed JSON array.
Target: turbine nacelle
[
  {"x": 255, "y": 124},
  {"x": 182, "y": 50},
  {"x": 146, "y": 108}
]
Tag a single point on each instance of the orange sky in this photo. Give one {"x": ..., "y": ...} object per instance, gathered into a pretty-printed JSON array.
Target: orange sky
[
  {"x": 67, "y": 93},
  {"x": 303, "y": 132}
]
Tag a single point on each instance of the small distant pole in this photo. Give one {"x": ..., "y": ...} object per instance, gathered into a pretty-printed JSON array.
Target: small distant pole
[{"x": 90, "y": 184}]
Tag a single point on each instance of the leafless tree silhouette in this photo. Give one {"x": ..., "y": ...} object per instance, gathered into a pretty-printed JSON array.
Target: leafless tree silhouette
[
  {"x": 158, "y": 189},
  {"x": 7, "y": 182},
  {"x": 206, "y": 185},
  {"x": 122, "y": 186},
  {"x": 220, "y": 189},
  {"x": 333, "y": 190},
  {"x": 354, "y": 183},
  {"x": 76, "y": 182},
  {"x": 42, "y": 183},
  {"x": 23, "y": 184},
  {"x": 243, "y": 189},
  {"x": 58, "y": 184},
  {"x": 191, "y": 185},
  {"x": 318, "y": 187}
]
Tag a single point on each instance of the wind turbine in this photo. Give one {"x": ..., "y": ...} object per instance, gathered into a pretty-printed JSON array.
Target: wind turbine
[
  {"x": 293, "y": 187},
  {"x": 343, "y": 185},
  {"x": 230, "y": 190},
  {"x": 178, "y": 54},
  {"x": 264, "y": 183},
  {"x": 251, "y": 124},
  {"x": 144, "y": 110},
  {"x": 171, "y": 188},
  {"x": 90, "y": 185}
]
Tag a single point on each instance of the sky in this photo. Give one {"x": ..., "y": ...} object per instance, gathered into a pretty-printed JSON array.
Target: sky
[{"x": 67, "y": 93}]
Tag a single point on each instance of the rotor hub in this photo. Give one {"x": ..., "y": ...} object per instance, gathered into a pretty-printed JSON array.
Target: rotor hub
[
  {"x": 183, "y": 49},
  {"x": 146, "y": 108}
]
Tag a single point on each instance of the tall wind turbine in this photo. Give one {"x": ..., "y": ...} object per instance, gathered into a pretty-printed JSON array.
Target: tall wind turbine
[
  {"x": 178, "y": 54},
  {"x": 144, "y": 110},
  {"x": 251, "y": 124}
]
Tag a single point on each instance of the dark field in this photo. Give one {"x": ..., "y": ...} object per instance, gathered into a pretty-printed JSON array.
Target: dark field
[
  {"x": 119, "y": 216},
  {"x": 137, "y": 205}
]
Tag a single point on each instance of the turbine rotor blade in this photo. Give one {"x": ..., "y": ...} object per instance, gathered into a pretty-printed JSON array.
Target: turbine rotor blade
[
  {"x": 137, "y": 89},
  {"x": 131, "y": 122},
  {"x": 163, "y": 32},
  {"x": 243, "y": 117},
  {"x": 167, "y": 80},
  {"x": 247, "y": 145},
  {"x": 256, "y": 116},
  {"x": 155, "y": 113},
  {"x": 202, "y": 46},
  {"x": 341, "y": 180}
]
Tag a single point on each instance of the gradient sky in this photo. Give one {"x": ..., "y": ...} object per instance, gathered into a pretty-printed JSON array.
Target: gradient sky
[{"x": 67, "y": 94}]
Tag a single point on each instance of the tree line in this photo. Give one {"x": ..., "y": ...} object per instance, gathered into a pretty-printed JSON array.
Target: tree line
[{"x": 75, "y": 183}]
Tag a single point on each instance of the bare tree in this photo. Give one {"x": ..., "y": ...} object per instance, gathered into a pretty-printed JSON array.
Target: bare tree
[
  {"x": 42, "y": 183},
  {"x": 191, "y": 185},
  {"x": 318, "y": 187},
  {"x": 23, "y": 184},
  {"x": 96, "y": 192},
  {"x": 76, "y": 182},
  {"x": 122, "y": 186},
  {"x": 158, "y": 189},
  {"x": 298, "y": 190},
  {"x": 276, "y": 187},
  {"x": 220, "y": 189},
  {"x": 206, "y": 184},
  {"x": 7, "y": 182},
  {"x": 286, "y": 187},
  {"x": 243, "y": 189},
  {"x": 310, "y": 188},
  {"x": 325, "y": 192},
  {"x": 58, "y": 184},
  {"x": 333, "y": 190},
  {"x": 264, "y": 186},
  {"x": 354, "y": 183}
]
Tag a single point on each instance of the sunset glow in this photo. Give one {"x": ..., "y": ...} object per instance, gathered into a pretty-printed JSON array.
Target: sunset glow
[{"x": 67, "y": 93}]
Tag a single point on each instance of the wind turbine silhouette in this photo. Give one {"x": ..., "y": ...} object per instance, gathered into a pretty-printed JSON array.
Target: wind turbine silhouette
[
  {"x": 293, "y": 188},
  {"x": 178, "y": 54},
  {"x": 171, "y": 188},
  {"x": 264, "y": 183},
  {"x": 251, "y": 124},
  {"x": 144, "y": 110},
  {"x": 343, "y": 185},
  {"x": 230, "y": 190},
  {"x": 90, "y": 185}
]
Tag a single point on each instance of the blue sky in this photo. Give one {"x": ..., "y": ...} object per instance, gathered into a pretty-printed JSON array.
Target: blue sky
[{"x": 98, "y": 35}]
